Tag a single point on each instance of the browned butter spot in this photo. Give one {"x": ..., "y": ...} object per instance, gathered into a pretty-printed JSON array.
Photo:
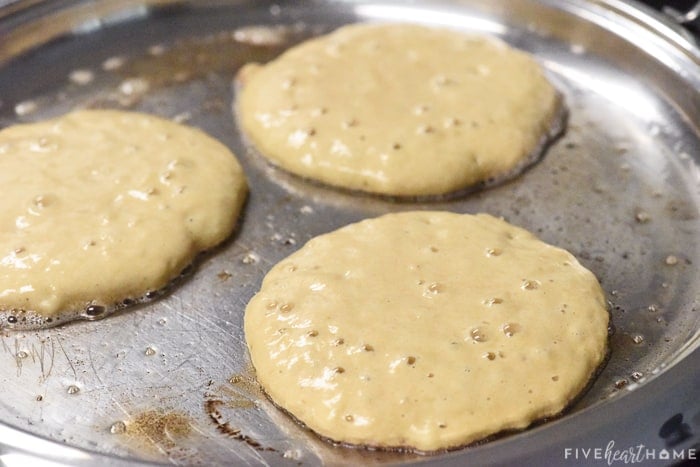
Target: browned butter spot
[
  {"x": 244, "y": 384},
  {"x": 160, "y": 430}
]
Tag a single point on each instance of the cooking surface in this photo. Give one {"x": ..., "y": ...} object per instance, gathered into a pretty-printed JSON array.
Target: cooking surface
[{"x": 171, "y": 380}]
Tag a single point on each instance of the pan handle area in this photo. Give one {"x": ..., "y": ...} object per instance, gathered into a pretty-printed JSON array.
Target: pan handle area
[{"x": 688, "y": 18}]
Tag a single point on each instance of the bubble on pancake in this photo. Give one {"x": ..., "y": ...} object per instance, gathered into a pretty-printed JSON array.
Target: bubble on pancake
[{"x": 19, "y": 319}]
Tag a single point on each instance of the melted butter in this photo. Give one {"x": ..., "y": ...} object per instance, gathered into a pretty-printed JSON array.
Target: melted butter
[
  {"x": 420, "y": 111},
  {"x": 423, "y": 335},
  {"x": 86, "y": 201}
]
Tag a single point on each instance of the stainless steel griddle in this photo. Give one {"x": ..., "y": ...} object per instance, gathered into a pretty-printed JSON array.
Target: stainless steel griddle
[{"x": 170, "y": 381}]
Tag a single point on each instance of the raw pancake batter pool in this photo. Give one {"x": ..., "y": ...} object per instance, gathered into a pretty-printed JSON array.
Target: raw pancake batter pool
[
  {"x": 400, "y": 110},
  {"x": 101, "y": 206},
  {"x": 426, "y": 331}
]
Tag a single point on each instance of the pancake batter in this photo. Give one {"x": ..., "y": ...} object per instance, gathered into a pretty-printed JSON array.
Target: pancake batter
[
  {"x": 426, "y": 331},
  {"x": 100, "y": 206},
  {"x": 400, "y": 110}
]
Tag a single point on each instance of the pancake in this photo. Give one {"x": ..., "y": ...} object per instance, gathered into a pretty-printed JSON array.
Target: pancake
[
  {"x": 102, "y": 206},
  {"x": 426, "y": 331},
  {"x": 400, "y": 110}
]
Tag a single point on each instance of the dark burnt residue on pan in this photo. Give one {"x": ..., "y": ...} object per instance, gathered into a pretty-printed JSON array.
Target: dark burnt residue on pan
[
  {"x": 241, "y": 393},
  {"x": 211, "y": 406}
]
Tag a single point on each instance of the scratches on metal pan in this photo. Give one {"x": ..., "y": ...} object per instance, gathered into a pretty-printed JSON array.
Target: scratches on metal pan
[
  {"x": 70, "y": 363},
  {"x": 92, "y": 365},
  {"x": 45, "y": 354},
  {"x": 42, "y": 352}
]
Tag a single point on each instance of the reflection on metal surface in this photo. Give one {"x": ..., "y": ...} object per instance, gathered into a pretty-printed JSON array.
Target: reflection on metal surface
[
  {"x": 32, "y": 446},
  {"x": 23, "y": 460},
  {"x": 388, "y": 12},
  {"x": 620, "y": 92}
]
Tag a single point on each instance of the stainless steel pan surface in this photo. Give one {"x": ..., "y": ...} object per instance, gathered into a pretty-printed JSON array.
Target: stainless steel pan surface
[{"x": 170, "y": 381}]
